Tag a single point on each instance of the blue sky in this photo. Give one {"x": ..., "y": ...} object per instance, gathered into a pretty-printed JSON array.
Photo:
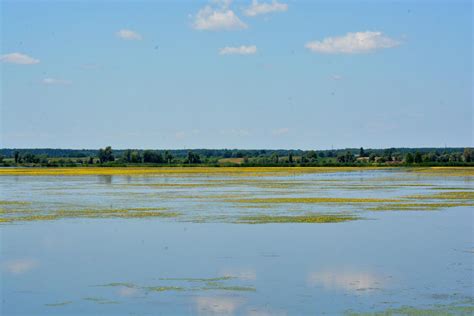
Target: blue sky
[{"x": 236, "y": 74}]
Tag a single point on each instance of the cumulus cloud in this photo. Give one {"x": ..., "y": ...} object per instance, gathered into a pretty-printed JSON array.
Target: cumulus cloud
[
  {"x": 240, "y": 50},
  {"x": 220, "y": 17},
  {"x": 257, "y": 8},
  {"x": 53, "y": 81},
  {"x": 359, "y": 42},
  {"x": 18, "y": 58},
  {"x": 129, "y": 35}
]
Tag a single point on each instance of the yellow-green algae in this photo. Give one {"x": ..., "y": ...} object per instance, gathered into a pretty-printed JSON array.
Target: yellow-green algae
[
  {"x": 207, "y": 285},
  {"x": 222, "y": 278},
  {"x": 457, "y": 195},
  {"x": 163, "y": 288},
  {"x": 310, "y": 200},
  {"x": 99, "y": 300},
  {"x": 312, "y": 218},
  {"x": 415, "y": 206},
  {"x": 246, "y": 171},
  {"x": 59, "y": 304},
  {"x": 89, "y": 213},
  {"x": 436, "y": 310}
]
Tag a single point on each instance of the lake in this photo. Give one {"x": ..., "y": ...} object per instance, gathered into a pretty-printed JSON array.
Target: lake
[{"x": 237, "y": 241}]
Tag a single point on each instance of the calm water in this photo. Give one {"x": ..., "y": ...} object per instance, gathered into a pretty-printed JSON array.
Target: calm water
[{"x": 203, "y": 263}]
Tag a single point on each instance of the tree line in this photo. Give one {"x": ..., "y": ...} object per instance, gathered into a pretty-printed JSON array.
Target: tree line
[{"x": 217, "y": 157}]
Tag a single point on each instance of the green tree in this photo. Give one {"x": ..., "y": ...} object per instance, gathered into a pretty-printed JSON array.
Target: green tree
[
  {"x": 106, "y": 155},
  {"x": 127, "y": 155},
  {"x": 135, "y": 157},
  {"x": 418, "y": 158},
  {"x": 17, "y": 157},
  {"x": 152, "y": 157},
  {"x": 467, "y": 155},
  {"x": 168, "y": 157},
  {"x": 361, "y": 152},
  {"x": 290, "y": 157},
  {"x": 409, "y": 158}
]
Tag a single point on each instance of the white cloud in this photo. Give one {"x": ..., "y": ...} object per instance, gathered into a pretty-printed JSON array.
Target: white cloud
[
  {"x": 212, "y": 18},
  {"x": 257, "y": 8},
  {"x": 336, "y": 77},
  {"x": 20, "y": 266},
  {"x": 18, "y": 58},
  {"x": 240, "y": 50},
  {"x": 53, "y": 81},
  {"x": 359, "y": 42},
  {"x": 281, "y": 131},
  {"x": 129, "y": 35}
]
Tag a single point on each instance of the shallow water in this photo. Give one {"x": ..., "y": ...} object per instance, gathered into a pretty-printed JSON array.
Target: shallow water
[{"x": 205, "y": 260}]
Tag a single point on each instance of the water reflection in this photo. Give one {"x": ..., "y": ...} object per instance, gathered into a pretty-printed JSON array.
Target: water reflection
[
  {"x": 20, "y": 266},
  {"x": 346, "y": 280},
  {"x": 217, "y": 305},
  {"x": 104, "y": 179}
]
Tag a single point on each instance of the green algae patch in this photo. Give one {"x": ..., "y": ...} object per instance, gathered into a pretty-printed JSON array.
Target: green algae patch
[
  {"x": 59, "y": 304},
  {"x": 457, "y": 195},
  {"x": 416, "y": 206},
  {"x": 223, "y": 278},
  {"x": 118, "y": 284},
  {"x": 436, "y": 310},
  {"x": 311, "y": 200},
  {"x": 100, "y": 300},
  {"x": 316, "y": 218},
  {"x": 14, "y": 202},
  {"x": 30, "y": 215},
  {"x": 163, "y": 288},
  {"x": 215, "y": 286},
  {"x": 445, "y": 171}
]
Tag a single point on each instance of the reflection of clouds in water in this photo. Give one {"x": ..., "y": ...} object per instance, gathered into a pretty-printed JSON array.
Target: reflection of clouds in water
[
  {"x": 242, "y": 274},
  {"x": 125, "y": 291},
  {"x": 265, "y": 312},
  {"x": 345, "y": 280},
  {"x": 20, "y": 266},
  {"x": 217, "y": 305}
]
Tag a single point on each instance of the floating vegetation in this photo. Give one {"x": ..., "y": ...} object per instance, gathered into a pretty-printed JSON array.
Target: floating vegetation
[
  {"x": 99, "y": 300},
  {"x": 311, "y": 200},
  {"x": 314, "y": 218},
  {"x": 415, "y": 206},
  {"x": 436, "y": 310},
  {"x": 118, "y": 284},
  {"x": 221, "y": 287},
  {"x": 14, "y": 202},
  {"x": 457, "y": 195},
  {"x": 247, "y": 171},
  {"x": 223, "y": 278},
  {"x": 163, "y": 288},
  {"x": 445, "y": 171},
  {"x": 92, "y": 213},
  {"x": 203, "y": 284},
  {"x": 59, "y": 304}
]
